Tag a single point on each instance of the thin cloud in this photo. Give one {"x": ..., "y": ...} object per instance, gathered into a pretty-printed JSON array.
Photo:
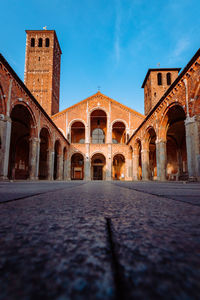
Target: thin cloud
[{"x": 180, "y": 47}]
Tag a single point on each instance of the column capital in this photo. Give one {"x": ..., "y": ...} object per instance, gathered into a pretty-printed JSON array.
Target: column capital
[
  {"x": 189, "y": 120},
  {"x": 5, "y": 118}
]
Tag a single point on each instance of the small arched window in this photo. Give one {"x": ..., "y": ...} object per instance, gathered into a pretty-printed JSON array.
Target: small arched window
[
  {"x": 168, "y": 78},
  {"x": 32, "y": 42},
  {"x": 47, "y": 42},
  {"x": 40, "y": 42},
  {"x": 159, "y": 77},
  {"x": 98, "y": 136}
]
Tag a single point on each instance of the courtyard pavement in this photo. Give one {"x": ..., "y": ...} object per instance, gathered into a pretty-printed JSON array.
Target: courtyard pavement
[{"x": 99, "y": 240}]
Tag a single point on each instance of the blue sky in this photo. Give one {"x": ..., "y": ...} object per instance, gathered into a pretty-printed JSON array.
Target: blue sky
[{"x": 107, "y": 43}]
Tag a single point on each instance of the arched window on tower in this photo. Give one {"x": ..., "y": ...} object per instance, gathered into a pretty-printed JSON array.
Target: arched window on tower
[
  {"x": 40, "y": 42},
  {"x": 32, "y": 42},
  {"x": 168, "y": 78},
  {"x": 47, "y": 42},
  {"x": 159, "y": 77}
]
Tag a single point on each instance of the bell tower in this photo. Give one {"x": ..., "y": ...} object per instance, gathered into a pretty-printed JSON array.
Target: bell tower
[
  {"x": 156, "y": 83},
  {"x": 42, "y": 68}
]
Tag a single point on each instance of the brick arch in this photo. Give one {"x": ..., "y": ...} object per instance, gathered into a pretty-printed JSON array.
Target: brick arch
[
  {"x": 163, "y": 127},
  {"x": 119, "y": 153},
  {"x": 74, "y": 121},
  {"x": 77, "y": 152},
  {"x": 49, "y": 135},
  {"x": 34, "y": 131},
  {"x": 98, "y": 108},
  {"x": 119, "y": 120},
  {"x": 97, "y": 152}
]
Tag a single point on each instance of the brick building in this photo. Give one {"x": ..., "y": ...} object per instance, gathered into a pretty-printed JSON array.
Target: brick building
[{"x": 97, "y": 138}]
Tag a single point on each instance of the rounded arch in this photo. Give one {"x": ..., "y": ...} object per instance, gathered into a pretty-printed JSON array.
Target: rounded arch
[
  {"x": 138, "y": 158},
  {"x": 77, "y": 166},
  {"x": 173, "y": 133},
  {"x": 77, "y": 130},
  {"x": 34, "y": 131},
  {"x": 118, "y": 167},
  {"x": 98, "y": 166},
  {"x": 118, "y": 132},
  {"x": 57, "y": 159},
  {"x": 164, "y": 123},
  {"x": 119, "y": 120},
  {"x": 22, "y": 131},
  {"x": 98, "y": 108},
  {"x": 150, "y": 137},
  {"x": 45, "y": 145},
  {"x": 98, "y": 126}
]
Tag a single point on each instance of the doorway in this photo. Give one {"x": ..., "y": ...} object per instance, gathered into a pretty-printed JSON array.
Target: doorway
[{"x": 97, "y": 172}]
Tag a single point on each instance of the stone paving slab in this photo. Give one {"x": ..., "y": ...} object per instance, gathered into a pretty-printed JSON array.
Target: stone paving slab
[
  {"x": 174, "y": 190},
  {"x": 17, "y": 190},
  {"x": 57, "y": 245}
]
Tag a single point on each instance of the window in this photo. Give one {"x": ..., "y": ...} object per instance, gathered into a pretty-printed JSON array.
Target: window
[
  {"x": 47, "y": 42},
  {"x": 168, "y": 78},
  {"x": 98, "y": 136},
  {"x": 32, "y": 42},
  {"x": 159, "y": 77},
  {"x": 40, "y": 42}
]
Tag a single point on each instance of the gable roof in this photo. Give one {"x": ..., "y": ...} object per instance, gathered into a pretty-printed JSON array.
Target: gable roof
[{"x": 99, "y": 94}]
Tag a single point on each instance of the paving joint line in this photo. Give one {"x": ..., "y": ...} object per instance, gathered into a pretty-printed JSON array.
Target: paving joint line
[
  {"x": 153, "y": 194},
  {"x": 37, "y": 194}
]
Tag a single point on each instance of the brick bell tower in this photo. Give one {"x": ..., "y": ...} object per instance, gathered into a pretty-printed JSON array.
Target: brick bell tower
[
  {"x": 156, "y": 83},
  {"x": 42, "y": 68}
]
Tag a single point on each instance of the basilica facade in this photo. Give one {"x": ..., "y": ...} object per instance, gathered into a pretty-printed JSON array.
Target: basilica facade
[{"x": 98, "y": 138}]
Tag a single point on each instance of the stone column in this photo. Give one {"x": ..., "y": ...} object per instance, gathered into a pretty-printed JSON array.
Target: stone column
[
  {"x": 59, "y": 167},
  {"x": 109, "y": 163},
  {"x": 161, "y": 159},
  {"x": 135, "y": 164},
  {"x": 68, "y": 174},
  {"x": 50, "y": 164},
  {"x": 65, "y": 169},
  {"x": 87, "y": 175},
  {"x": 145, "y": 163},
  {"x": 192, "y": 145},
  {"x": 33, "y": 158},
  {"x": 5, "y": 135}
]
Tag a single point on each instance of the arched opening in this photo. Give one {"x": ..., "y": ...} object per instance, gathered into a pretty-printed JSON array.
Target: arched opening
[
  {"x": 118, "y": 167},
  {"x": 98, "y": 125},
  {"x": 159, "y": 78},
  {"x": 57, "y": 157},
  {"x": 47, "y": 42},
  {"x": 22, "y": 123},
  {"x": 176, "y": 144},
  {"x": 40, "y": 42},
  {"x": 119, "y": 133},
  {"x": 152, "y": 154},
  {"x": 77, "y": 166},
  {"x": 98, "y": 167},
  {"x": 64, "y": 162},
  {"x": 78, "y": 133},
  {"x": 44, "y": 148},
  {"x": 169, "y": 79},
  {"x": 32, "y": 42},
  {"x": 138, "y": 148}
]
